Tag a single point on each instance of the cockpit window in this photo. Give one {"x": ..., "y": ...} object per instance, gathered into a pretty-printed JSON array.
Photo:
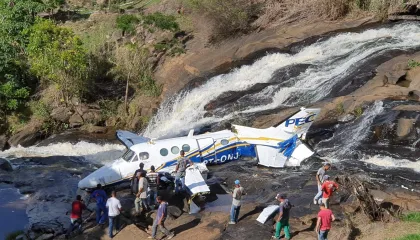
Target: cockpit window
[
  {"x": 144, "y": 155},
  {"x": 128, "y": 155}
]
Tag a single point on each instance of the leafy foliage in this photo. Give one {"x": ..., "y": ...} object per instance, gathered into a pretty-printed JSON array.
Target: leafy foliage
[
  {"x": 56, "y": 55},
  {"x": 12, "y": 96},
  {"x": 161, "y": 21},
  {"x": 413, "y": 64},
  {"x": 412, "y": 217},
  {"x": 127, "y": 23}
]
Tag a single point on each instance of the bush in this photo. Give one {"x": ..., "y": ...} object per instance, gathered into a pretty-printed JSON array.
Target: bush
[
  {"x": 358, "y": 111},
  {"x": 412, "y": 217},
  {"x": 413, "y": 64},
  {"x": 127, "y": 23},
  {"x": 228, "y": 17},
  {"x": 164, "y": 22},
  {"x": 39, "y": 110}
]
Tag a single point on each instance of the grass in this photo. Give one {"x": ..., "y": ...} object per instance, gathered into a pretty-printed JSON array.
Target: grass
[
  {"x": 358, "y": 111},
  {"x": 339, "y": 108},
  {"x": 412, "y": 217},
  {"x": 13, "y": 235},
  {"x": 413, "y": 64},
  {"x": 409, "y": 237},
  {"x": 161, "y": 21}
]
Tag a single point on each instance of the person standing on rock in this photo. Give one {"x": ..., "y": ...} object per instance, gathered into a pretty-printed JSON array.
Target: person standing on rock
[
  {"x": 135, "y": 179},
  {"x": 320, "y": 179},
  {"x": 323, "y": 224},
  {"x": 100, "y": 196},
  {"x": 153, "y": 180},
  {"x": 283, "y": 218},
  {"x": 77, "y": 208},
  {"x": 328, "y": 188},
  {"x": 161, "y": 215},
  {"x": 181, "y": 166},
  {"x": 141, "y": 197},
  {"x": 114, "y": 210},
  {"x": 237, "y": 194}
]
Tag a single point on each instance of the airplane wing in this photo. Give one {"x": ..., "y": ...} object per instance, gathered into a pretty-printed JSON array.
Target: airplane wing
[{"x": 129, "y": 138}]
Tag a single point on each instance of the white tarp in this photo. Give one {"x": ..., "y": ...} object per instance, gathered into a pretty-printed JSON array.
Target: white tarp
[
  {"x": 195, "y": 181},
  {"x": 267, "y": 212}
]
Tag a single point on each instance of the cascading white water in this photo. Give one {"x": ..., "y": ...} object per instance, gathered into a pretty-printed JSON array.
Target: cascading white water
[
  {"x": 330, "y": 61},
  {"x": 91, "y": 152},
  {"x": 389, "y": 162},
  {"x": 346, "y": 139}
]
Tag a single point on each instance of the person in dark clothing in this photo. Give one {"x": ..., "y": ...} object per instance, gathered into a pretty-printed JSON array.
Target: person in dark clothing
[
  {"x": 100, "y": 196},
  {"x": 153, "y": 180},
  {"x": 283, "y": 218},
  {"x": 77, "y": 208},
  {"x": 135, "y": 179}
]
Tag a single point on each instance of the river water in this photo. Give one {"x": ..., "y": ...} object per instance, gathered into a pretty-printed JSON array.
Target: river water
[{"x": 12, "y": 210}]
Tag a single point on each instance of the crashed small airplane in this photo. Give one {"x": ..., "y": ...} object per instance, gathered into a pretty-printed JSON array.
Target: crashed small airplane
[{"x": 275, "y": 146}]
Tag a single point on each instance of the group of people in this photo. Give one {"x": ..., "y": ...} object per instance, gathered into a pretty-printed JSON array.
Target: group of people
[{"x": 326, "y": 188}]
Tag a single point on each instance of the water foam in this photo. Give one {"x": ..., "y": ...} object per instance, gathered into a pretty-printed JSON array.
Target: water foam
[
  {"x": 389, "y": 162},
  {"x": 91, "y": 152},
  {"x": 330, "y": 62}
]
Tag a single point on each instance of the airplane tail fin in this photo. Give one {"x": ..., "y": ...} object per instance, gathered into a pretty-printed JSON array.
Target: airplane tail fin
[{"x": 300, "y": 122}]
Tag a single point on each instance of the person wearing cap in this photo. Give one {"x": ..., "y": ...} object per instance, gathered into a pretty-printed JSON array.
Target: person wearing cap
[
  {"x": 283, "y": 218},
  {"x": 323, "y": 224},
  {"x": 237, "y": 194},
  {"x": 181, "y": 166},
  {"x": 320, "y": 179},
  {"x": 328, "y": 187}
]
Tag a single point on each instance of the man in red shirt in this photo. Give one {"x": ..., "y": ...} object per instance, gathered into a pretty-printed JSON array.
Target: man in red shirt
[
  {"x": 328, "y": 187},
  {"x": 323, "y": 225},
  {"x": 76, "y": 215}
]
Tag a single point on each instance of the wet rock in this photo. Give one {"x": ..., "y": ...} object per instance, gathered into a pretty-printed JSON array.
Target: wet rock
[
  {"x": 95, "y": 129},
  {"x": 3, "y": 142},
  {"x": 5, "y": 165},
  {"x": 75, "y": 120},
  {"x": 414, "y": 95},
  {"x": 394, "y": 77},
  {"x": 404, "y": 127},
  {"x": 25, "y": 138},
  {"x": 92, "y": 117},
  {"x": 346, "y": 118},
  {"x": 61, "y": 114},
  {"x": 47, "y": 236},
  {"x": 21, "y": 237}
]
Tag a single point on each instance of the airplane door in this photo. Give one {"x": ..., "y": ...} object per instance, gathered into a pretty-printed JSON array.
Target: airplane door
[{"x": 207, "y": 150}]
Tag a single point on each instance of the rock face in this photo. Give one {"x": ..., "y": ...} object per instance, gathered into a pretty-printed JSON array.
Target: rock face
[
  {"x": 404, "y": 127},
  {"x": 25, "y": 138},
  {"x": 3, "y": 142},
  {"x": 61, "y": 114},
  {"x": 5, "y": 165},
  {"x": 394, "y": 77},
  {"x": 76, "y": 120}
]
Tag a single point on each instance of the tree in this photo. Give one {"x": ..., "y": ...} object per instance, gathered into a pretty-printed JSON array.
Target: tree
[
  {"x": 130, "y": 62},
  {"x": 57, "y": 56}
]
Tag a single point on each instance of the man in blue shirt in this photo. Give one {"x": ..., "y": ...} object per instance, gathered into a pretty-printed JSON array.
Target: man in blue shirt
[
  {"x": 161, "y": 215},
  {"x": 100, "y": 196}
]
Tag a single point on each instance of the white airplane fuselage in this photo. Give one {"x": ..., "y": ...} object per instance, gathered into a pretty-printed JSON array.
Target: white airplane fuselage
[{"x": 209, "y": 148}]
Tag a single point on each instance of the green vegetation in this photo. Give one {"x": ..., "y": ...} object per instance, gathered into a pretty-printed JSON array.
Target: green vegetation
[
  {"x": 409, "y": 237},
  {"x": 339, "y": 108},
  {"x": 358, "y": 111},
  {"x": 13, "y": 235},
  {"x": 164, "y": 22},
  {"x": 127, "y": 23},
  {"x": 412, "y": 217},
  {"x": 413, "y": 64},
  {"x": 57, "y": 56}
]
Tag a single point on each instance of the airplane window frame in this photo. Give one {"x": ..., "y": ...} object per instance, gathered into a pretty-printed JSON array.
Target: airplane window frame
[
  {"x": 135, "y": 159},
  {"x": 186, "y": 145},
  {"x": 177, "y": 151},
  {"x": 167, "y": 152},
  {"x": 148, "y": 156},
  {"x": 224, "y": 142},
  {"x": 128, "y": 153}
]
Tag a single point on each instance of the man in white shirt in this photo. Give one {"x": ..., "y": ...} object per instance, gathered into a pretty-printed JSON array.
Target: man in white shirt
[
  {"x": 141, "y": 198},
  {"x": 114, "y": 210}
]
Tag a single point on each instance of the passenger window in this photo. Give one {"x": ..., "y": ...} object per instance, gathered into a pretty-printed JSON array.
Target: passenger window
[
  {"x": 164, "y": 152},
  {"x": 144, "y": 155},
  {"x": 224, "y": 142},
  {"x": 175, "y": 150},
  {"x": 186, "y": 148}
]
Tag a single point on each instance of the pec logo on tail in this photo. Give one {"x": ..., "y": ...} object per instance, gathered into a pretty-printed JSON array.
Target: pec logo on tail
[{"x": 300, "y": 121}]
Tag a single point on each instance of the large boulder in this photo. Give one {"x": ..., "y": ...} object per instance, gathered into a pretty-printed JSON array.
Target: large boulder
[
  {"x": 75, "y": 120},
  {"x": 395, "y": 76},
  {"x": 5, "y": 165},
  {"x": 92, "y": 117},
  {"x": 25, "y": 138},
  {"x": 61, "y": 114},
  {"x": 414, "y": 95},
  {"x": 404, "y": 127}
]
